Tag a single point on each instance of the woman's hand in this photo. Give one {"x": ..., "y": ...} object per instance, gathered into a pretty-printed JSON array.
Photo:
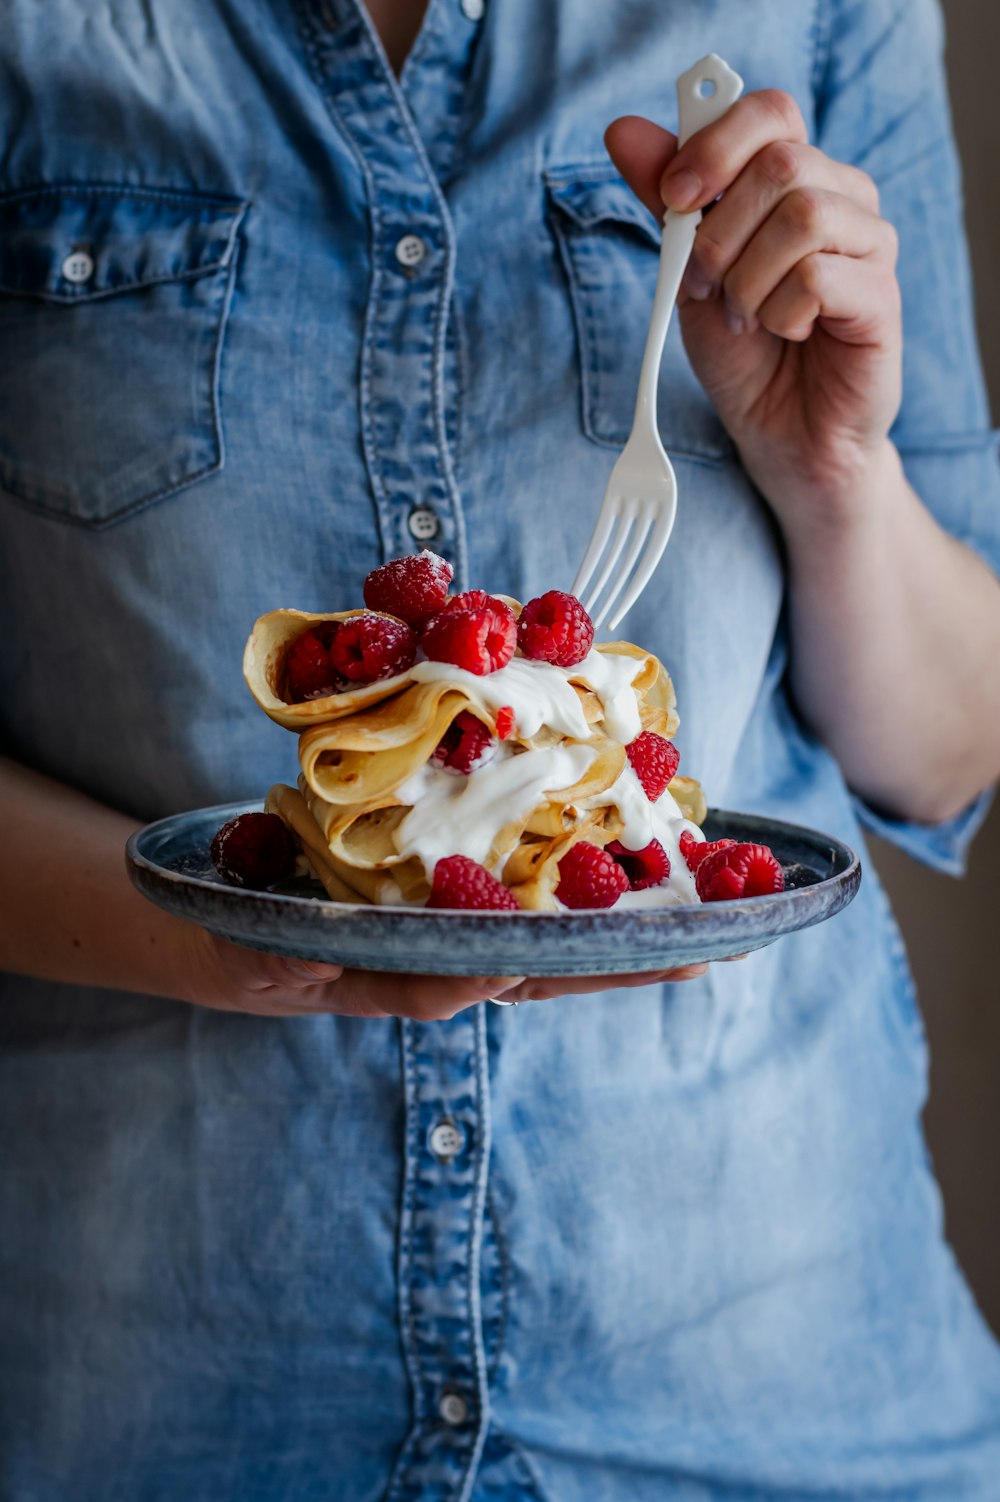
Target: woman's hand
[
  {"x": 230, "y": 978},
  {"x": 790, "y": 308},
  {"x": 75, "y": 917},
  {"x": 790, "y": 312}
]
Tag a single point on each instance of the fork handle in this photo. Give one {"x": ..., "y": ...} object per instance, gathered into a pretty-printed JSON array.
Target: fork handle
[{"x": 704, "y": 94}]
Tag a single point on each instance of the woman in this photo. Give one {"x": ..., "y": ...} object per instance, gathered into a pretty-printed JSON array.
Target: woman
[{"x": 675, "y": 1241}]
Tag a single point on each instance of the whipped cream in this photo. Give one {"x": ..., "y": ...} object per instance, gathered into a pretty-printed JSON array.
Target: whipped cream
[
  {"x": 611, "y": 675},
  {"x": 541, "y": 694},
  {"x": 642, "y": 822},
  {"x": 463, "y": 815}
]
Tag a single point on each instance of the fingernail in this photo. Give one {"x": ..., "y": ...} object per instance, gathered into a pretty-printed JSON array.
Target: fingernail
[
  {"x": 697, "y": 286},
  {"x": 734, "y": 323},
  {"x": 501, "y": 983},
  {"x": 681, "y": 189}
]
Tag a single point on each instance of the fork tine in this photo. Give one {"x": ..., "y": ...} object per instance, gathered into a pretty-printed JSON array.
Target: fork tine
[
  {"x": 598, "y": 541},
  {"x": 640, "y": 531},
  {"x": 654, "y": 552},
  {"x": 617, "y": 543}
]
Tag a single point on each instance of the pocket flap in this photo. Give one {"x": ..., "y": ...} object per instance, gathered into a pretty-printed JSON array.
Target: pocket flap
[
  {"x": 68, "y": 244},
  {"x": 589, "y": 195}
]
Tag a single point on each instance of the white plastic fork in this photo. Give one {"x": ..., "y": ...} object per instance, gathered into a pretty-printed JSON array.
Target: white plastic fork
[{"x": 640, "y": 503}]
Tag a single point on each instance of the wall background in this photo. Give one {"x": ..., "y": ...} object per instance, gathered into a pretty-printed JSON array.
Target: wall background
[{"x": 952, "y": 927}]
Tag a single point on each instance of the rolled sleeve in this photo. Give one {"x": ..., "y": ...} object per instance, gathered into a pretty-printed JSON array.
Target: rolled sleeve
[{"x": 943, "y": 847}]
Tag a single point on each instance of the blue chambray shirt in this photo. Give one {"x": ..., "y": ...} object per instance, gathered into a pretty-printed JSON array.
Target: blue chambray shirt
[{"x": 269, "y": 316}]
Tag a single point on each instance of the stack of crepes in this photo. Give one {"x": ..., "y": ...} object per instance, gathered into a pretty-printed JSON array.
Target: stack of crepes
[{"x": 373, "y": 814}]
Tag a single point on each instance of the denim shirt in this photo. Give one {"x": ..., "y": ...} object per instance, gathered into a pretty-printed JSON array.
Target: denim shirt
[{"x": 269, "y": 316}]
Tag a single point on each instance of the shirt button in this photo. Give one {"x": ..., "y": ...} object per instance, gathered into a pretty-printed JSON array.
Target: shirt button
[
  {"x": 410, "y": 250},
  {"x": 78, "y": 266},
  {"x": 446, "y": 1141},
  {"x": 453, "y": 1408},
  {"x": 472, "y": 10},
  {"x": 423, "y": 524}
]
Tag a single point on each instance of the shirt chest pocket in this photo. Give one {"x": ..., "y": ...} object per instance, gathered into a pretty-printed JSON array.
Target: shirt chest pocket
[
  {"x": 609, "y": 244},
  {"x": 113, "y": 306}
]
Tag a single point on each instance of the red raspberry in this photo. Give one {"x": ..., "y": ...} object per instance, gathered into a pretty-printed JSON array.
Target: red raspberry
[
  {"x": 254, "y": 850},
  {"x": 738, "y": 871},
  {"x": 694, "y": 851},
  {"x": 369, "y": 647},
  {"x": 464, "y": 746},
  {"x": 554, "y": 627},
  {"x": 590, "y": 877},
  {"x": 414, "y": 588},
  {"x": 478, "y": 599},
  {"x": 648, "y": 867},
  {"x": 461, "y": 882},
  {"x": 506, "y": 720},
  {"x": 309, "y": 673},
  {"x": 481, "y": 640},
  {"x": 655, "y": 760}
]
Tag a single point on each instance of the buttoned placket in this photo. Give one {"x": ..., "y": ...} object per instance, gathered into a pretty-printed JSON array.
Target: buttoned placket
[
  {"x": 404, "y": 400},
  {"x": 446, "y": 1084},
  {"x": 408, "y": 394}
]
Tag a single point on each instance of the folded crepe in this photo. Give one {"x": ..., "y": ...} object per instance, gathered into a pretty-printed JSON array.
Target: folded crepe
[
  {"x": 264, "y": 670},
  {"x": 366, "y": 754}
]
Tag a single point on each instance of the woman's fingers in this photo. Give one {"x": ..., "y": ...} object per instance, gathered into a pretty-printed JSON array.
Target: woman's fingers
[
  {"x": 780, "y": 173},
  {"x": 269, "y": 984},
  {"x": 807, "y": 222},
  {"x": 852, "y": 300},
  {"x": 784, "y": 202},
  {"x": 425, "y": 998},
  {"x": 544, "y": 988},
  {"x": 258, "y": 970},
  {"x": 272, "y": 985},
  {"x": 641, "y": 151},
  {"x": 714, "y": 157}
]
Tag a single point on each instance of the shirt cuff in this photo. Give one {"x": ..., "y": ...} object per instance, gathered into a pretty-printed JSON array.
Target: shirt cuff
[{"x": 944, "y": 847}]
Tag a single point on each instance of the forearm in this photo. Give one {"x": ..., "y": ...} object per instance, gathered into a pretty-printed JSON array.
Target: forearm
[
  {"x": 69, "y": 911},
  {"x": 895, "y": 647}
]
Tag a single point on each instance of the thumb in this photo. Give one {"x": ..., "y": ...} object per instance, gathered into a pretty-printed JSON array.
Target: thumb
[{"x": 642, "y": 152}]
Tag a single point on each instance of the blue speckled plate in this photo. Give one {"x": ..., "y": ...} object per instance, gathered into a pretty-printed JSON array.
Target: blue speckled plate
[{"x": 170, "y": 864}]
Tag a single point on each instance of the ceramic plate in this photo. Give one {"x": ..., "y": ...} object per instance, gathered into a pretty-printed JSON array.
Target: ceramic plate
[{"x": 170, "y": 864}]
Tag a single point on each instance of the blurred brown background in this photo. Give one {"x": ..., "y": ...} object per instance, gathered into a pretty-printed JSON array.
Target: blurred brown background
[{"x": 952, "y": 927}]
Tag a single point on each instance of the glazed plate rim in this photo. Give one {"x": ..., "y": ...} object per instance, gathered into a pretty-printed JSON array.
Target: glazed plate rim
[{"x": 586, "y": 942}]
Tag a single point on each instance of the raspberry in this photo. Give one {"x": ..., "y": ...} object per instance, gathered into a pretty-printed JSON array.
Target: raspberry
[
  {"x": 478, "y": 599},
  {"x": 555, "y": 628},
  {"x": 369, "y": 647},
  {"x": 414, "y": 587},
  {"x": 506, "y": 720},
  {"x": 309, "y": 673},
  {"x": 465, "y": 745},
  {"x": 480, "y": 640},
  {"x": 644, "y": 868},
  {"x": 738, "y": 871},
  {"x": 694, "y": 851},
  {"x": 590, "y": 877},
  {"x": 461, "y": 882},
  {"x": 655, "y": 760},
  {"x": 254, "y": 850}
]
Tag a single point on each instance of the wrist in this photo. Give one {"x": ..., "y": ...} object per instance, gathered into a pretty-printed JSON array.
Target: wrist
[{"x": 848, "y": 505}]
